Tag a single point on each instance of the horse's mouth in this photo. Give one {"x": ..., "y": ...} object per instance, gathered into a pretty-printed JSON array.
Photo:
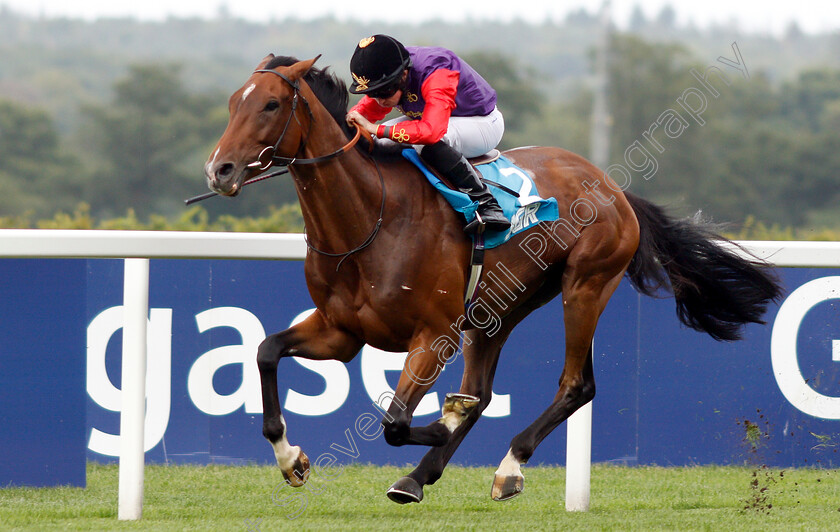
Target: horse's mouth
[
  {"x": 233, "y": 191},
  {"x": 224, "y": 189},
  {"x": 224, "y": 186}
]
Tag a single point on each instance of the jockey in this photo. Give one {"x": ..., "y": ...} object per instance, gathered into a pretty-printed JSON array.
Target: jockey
[{"x": 449, "y": 112}]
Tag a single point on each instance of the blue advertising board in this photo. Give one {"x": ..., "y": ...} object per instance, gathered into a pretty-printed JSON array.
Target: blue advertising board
[
  {"x": 42, "y": 372},
  {"x": 666, "y": 395}
]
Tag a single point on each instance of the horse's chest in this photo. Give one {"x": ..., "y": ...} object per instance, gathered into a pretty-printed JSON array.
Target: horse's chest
[{"x": 376, "y": 312}]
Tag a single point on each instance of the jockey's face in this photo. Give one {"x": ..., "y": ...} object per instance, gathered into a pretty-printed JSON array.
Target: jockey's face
[
  {"x": 394, "y": 98},
  {"x": 390, "y": 101}
]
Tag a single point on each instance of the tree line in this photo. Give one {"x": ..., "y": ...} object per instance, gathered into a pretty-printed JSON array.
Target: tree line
[{"x": 766, "y": 154}]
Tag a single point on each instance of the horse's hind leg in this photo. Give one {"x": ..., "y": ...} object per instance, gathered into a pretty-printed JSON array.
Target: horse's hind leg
[
  {"x": 312, "y": 339},
  {"x": 508, "y": 480},
  {"x": 583, "y": 301}
]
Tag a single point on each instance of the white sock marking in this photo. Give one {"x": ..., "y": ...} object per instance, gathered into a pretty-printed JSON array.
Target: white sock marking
[
  {"x": 509, "y": 466},
  {"x": 286, "y": 454}
]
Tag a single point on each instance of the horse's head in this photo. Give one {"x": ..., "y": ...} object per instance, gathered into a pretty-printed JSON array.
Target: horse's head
[{"x": 266, "y": 117}]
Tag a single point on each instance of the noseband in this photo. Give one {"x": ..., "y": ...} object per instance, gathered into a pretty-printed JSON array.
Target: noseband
[{"x": 288, "y": 161}]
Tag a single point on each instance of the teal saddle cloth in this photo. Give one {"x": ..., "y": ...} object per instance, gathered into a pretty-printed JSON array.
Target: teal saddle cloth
[{"x": 524, "y": 211}]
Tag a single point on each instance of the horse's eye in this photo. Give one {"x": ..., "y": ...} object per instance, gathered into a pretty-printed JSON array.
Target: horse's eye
[{"x": 272, "y": 105}]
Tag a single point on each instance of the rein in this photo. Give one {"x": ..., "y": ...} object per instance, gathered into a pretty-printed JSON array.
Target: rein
[
  {"x": 371, "y": 237},
  {"x": 288, "y": 161}
]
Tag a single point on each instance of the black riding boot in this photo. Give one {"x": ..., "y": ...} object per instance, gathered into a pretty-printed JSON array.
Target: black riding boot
[{"x": 453, "y": 166}]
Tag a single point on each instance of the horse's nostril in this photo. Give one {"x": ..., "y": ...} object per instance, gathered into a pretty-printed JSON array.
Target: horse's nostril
[{"x": 225, "y": 170}]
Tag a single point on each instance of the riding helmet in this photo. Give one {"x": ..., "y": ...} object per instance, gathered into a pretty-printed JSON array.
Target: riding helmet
[{"x": 377, "y": 62}]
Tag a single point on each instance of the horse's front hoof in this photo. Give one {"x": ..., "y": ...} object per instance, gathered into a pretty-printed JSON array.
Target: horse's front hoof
[
  {"x": 507, "y": 487},
  {"x": 298, "y": 473},
  {"x": 405, "y": 490}
]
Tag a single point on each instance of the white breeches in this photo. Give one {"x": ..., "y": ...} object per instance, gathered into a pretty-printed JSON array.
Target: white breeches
[{"x": 469, "y": 135}]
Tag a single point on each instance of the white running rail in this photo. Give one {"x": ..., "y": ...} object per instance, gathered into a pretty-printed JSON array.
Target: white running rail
[{"x": 137, "y": 247}]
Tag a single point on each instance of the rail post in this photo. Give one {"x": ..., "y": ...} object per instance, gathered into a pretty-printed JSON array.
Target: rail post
[
  {"x": 579, "y": 456},
  {"x": 133, "y": 408}
]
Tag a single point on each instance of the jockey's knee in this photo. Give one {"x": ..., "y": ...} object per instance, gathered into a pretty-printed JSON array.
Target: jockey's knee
[{"x": 440, "y": 155}]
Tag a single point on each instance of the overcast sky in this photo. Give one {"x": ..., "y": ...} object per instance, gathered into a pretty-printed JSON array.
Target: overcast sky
[{"x": 752, "y": 15}]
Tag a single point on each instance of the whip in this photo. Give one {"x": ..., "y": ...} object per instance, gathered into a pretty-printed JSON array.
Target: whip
[{"x": 257, "y": 179}]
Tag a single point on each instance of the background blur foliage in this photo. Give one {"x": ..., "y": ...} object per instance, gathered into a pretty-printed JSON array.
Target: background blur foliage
[{"x": 107, "y": 124}]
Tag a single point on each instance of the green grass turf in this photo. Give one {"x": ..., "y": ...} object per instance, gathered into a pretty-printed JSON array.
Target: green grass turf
[{"x": 623, "y": 498}]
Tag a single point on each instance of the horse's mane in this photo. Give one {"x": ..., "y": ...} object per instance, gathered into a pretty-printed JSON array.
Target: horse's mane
[
  {"x": 331, "y": 91},
  {"x": 329, "y": 88}
]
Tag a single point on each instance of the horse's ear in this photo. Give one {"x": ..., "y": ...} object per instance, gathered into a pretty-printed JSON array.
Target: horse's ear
[
  {"x": 299, "y": 69},
  {"x": 266, "y": 60}
]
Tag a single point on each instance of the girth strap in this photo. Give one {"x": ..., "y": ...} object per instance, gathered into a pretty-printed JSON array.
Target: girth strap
[{"x": 476, "y": 268}]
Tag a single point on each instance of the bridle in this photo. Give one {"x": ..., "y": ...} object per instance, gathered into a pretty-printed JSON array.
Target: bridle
[{"x": 288, "y": 161}]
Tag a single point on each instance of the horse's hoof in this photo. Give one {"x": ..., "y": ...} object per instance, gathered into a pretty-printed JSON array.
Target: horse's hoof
[
  {"x": 405, "y": 490},
  {"x": 297, "y": 475},
  {"x": 507, "y": 487}
]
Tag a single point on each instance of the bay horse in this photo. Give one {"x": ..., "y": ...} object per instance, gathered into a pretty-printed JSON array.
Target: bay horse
[{"x": 387, "y": 265}]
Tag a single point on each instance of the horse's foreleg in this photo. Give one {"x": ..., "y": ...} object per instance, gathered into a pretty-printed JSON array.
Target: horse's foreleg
[
  {"x": 312, "y": 339},
  {"x": 428, "y": 354},
  {"x": 460, "y": 412},
  {"x": 481, "y": 354}
]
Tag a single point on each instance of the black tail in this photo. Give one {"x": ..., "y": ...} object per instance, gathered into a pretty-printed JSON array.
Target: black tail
[{"x": 716, "y": 290}]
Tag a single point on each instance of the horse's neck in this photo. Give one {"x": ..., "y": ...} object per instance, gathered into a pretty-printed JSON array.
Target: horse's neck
[{"x": 340, "y": 199}]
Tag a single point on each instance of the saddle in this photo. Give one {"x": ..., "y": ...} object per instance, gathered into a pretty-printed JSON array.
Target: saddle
[{"x": 489, "y": 157}]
